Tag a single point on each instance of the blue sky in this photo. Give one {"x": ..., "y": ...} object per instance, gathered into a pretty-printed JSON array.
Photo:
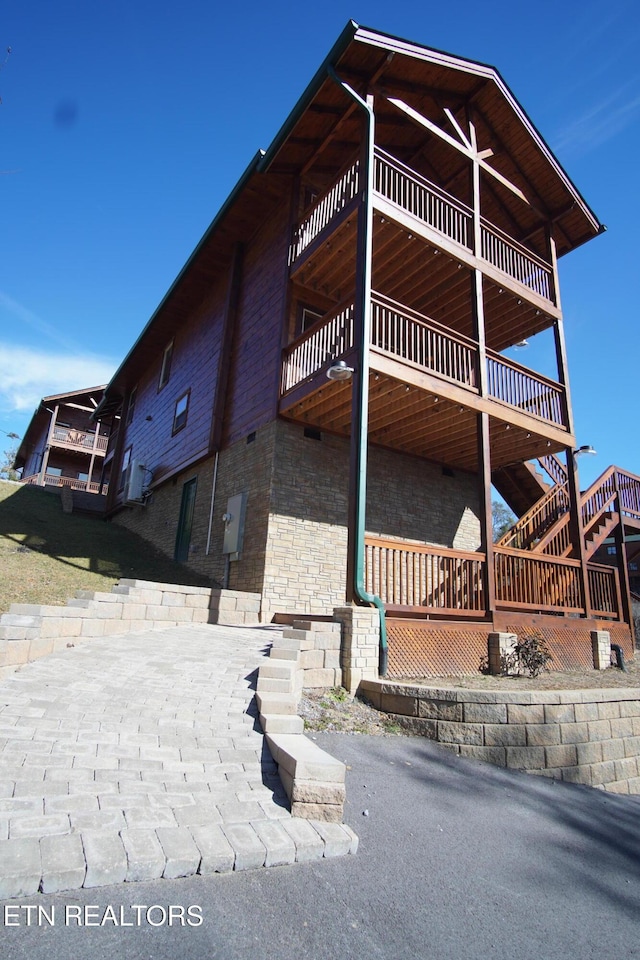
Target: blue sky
[{"x": 123, "y": 127}]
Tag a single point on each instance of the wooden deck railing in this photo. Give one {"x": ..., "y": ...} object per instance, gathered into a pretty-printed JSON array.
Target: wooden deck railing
[
  {"x": 327, "y": 340},
  {"x": 554, "y": 467},
  {"x": 604, "y": 590},
  {"x": 529, "y": 581},
  {"x": 516, "y": 261},
  {"x": 326, "y": 207},
  {"x": 426, "y": 577},
  {"x": 428, "y": 345},
  {"x": 535, "y": 523},
  {"x": 599, "y": 498},
  {"x": 79, "y": 439},
  {"x": 72, "y": 482},
  {"x": 629, "y": 490},
  {"x": 421, "y": 341},
  {"x": 520, "y": 387},
  {"x": 427, "y": 202},
  {"x": 433, "y": 206},
  {"x": 421, "y": 198}
]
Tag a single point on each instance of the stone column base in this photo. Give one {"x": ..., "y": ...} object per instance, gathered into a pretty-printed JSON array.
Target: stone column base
[
  {"x": 360, "y": 644},
  {"x": 500, "y": 645},
  {"x": 601, "y": 646}
]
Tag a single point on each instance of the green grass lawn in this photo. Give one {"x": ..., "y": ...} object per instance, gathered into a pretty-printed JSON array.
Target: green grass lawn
[{"x": 46, "y": 555}]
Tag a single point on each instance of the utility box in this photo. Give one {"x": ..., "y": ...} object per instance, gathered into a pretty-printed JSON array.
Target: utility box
[
  {"x": 234, "y": 525},
  {"x": 134, "y": 482}
]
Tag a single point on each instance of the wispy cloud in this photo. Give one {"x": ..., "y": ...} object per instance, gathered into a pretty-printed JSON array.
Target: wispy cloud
[
  {"x": 21, "y": 313},
  {"x": 27, "y": 375},
  {"x": 602, "y": 121}
]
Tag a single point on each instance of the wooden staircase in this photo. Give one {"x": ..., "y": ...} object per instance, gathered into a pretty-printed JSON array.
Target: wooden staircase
[
  {"x": 521, "y": 485},
  {"x": 544, "y": 527}
]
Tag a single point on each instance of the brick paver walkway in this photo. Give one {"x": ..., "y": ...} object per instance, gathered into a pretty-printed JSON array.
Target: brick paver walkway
[{"x": 139, "y": 756}]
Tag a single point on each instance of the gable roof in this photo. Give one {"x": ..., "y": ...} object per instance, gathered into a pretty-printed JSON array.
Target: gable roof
[{"x": 364, "y": 58}]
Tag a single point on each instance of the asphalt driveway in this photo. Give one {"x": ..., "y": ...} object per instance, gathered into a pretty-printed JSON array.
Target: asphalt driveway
[{"x": 457, "y": 860}]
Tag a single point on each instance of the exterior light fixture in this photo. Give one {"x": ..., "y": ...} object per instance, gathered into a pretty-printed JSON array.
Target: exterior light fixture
[
  {"x": 339, "y": 371},
  {"x": 522, "y": 344},
  {"x": 585, "y": 449}
]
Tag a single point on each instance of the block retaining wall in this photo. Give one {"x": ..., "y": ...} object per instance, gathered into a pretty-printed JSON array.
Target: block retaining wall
[
  {"x": 582, "y": 736},
  {"x": 29, "y": 631}
]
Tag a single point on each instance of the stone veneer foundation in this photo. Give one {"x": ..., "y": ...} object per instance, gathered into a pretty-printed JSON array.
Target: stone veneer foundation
[{"x": 582, "y": 736}]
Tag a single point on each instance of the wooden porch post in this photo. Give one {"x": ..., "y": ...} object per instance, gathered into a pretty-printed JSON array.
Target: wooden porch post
[
  {"x": 575, "y": 526},
  {"x": 47, "y": 449},
  {"x": 482, "y": 420},
  {"x": 486, "y": 525},
  {"x": 558, "y": 333}
]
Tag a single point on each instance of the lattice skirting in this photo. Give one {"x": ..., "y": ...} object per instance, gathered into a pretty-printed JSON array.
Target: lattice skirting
[{"x": 429, "y": 648}]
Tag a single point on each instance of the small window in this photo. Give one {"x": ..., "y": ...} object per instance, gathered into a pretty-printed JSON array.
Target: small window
[
  {"x": 611, "y": 551},
  {"x": 83, "y": 476},
  {"x": 54, "y": 471},
  {"x": 181, "y": 412},
  {"x": 132, "y": 405},
  {"x": 126, "y": 460},
  {"x": 309, "y": 316},
  {"x": 165, "y": 369}
]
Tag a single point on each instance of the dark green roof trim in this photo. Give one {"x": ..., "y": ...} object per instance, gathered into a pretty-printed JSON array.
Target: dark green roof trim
[
  {"x": 319, "y": 78},
  {"x": 222, "y": 212}
]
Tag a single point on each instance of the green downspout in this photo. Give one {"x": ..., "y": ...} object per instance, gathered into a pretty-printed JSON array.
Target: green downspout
[{"x": 363, "y": 296}]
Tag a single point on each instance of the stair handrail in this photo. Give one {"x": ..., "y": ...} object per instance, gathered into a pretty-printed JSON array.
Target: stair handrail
[
  {"x": 591, "y": 502},
  {"x": 629, "y": 501},
  {"x": 553, "y": 493},
  {"x": 554, "y": 467}
]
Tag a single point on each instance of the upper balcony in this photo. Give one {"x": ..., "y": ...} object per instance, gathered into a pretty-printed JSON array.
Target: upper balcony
[
  {"x": 424, "y": 390},
  {"x": 82, "y": 441},
  {"x": 520, "y": 293}
]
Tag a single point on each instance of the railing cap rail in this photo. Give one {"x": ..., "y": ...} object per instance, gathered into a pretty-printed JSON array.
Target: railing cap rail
[
  {"x": 410, "y": 546},
  {"x": 537, "y": 557},
  {"x": 527, "y": 371},
  {"x": 423, "y": 319},
  {"x": 323, "y": 321},
  {"x": 424, "y": 181}
]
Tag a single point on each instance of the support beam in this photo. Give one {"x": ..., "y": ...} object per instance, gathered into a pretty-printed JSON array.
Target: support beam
[
  {"x": 621, "y": 556},
  {"x": 575, "y": 527},
  {"x": 486, "y": 524}
]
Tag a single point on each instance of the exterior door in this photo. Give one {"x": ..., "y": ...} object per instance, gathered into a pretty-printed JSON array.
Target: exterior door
[{"x": 183, "y": 536}]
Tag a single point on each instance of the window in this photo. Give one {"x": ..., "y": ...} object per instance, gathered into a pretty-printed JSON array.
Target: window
[
  {"x": 124, "y": 473},
  {"x": 83, "y": 476},
  {"x": 132, "y": 405},
  {"x": 181, "y": 411},
  {"x": 54, "y": 471},
  {"x": 309, "y": 316},
  {"x": 165, "y": 369}
]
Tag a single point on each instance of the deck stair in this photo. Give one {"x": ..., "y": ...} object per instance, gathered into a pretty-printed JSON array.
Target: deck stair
[
  {"x": 520, "y": 485},
  {"x": 544, "y": 528}
]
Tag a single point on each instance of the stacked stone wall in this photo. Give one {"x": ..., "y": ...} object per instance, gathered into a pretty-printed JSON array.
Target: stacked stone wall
[
  {"x": 31, "y": 631},
  {"x": 581, "y": 736},
  {"x": 408, "y": 498}
]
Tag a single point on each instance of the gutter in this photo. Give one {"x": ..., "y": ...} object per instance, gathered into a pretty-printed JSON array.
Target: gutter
[{"x": 363, "y": 295}]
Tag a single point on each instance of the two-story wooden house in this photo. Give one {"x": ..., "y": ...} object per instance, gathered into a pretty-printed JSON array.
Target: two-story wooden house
[
  {"x": 62, "y": 446},
  {"x": 333, "y": 356}
]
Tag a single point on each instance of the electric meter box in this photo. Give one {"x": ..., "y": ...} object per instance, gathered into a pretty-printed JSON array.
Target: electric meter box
[{"x": 234, "y": 525}]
